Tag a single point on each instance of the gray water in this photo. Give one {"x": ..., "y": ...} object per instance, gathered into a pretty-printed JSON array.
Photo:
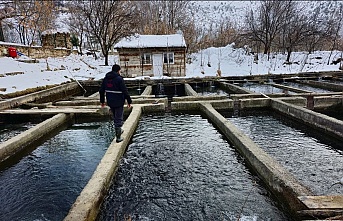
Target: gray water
[
  {"x": 263, "y": 88},
  {"x": 7, "y": 131},
  {"x": 209, "y": 90},
  {"x": 135, "y": 90},
  {"x": 335, "y": 112},
  {"x": 179, "y": 167},
  {"x": 314, "y": 158},
  {"x": 45, "y": 183},
  {"x": 306, "y": 87}
]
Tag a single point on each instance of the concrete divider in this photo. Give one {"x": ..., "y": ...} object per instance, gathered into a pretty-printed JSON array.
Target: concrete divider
[
  {"x": 87, "y": 102},
  {"x": 282, "y": 183},
  {"x": 200, "y": 98},
  {"x": 16, "y": 144},
  {"x": 317, "y": 120},
  {"x": 147, "y": 91},
  {"x": 189, "y": 91},
  {"x": 47, "y": 95}
]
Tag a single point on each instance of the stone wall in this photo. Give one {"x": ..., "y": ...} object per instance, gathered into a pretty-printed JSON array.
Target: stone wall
[
  {"x": 56, "y": 40},
  {"x": 35, "y": 51}
]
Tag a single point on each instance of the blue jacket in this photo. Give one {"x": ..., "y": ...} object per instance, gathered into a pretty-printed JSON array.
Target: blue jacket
[{"x": 116, "y": 92}]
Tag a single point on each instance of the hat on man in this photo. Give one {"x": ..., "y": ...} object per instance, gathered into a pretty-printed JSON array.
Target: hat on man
[{"x": 115, "y": 68}]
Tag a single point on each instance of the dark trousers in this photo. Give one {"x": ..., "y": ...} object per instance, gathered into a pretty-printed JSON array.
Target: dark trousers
[{"x": 118, "y": 115}]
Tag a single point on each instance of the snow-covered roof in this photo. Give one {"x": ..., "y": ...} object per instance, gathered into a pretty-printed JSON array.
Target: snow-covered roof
[
  {"x": 54, "y": 31},
  {"x": 152, "y": 41}
]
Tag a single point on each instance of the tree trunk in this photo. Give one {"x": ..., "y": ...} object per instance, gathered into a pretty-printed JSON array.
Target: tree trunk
[
  {"x": 106, "y": 58},
  {"x": 2, "y": 38},
  {"x": 289, "y": 51}
]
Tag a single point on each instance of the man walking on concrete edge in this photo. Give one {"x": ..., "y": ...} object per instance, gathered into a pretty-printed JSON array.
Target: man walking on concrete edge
[{"x": 116, "y": 93}]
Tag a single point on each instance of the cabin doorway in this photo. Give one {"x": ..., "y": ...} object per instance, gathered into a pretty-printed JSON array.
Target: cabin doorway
[{"x": 157, "y": 60}]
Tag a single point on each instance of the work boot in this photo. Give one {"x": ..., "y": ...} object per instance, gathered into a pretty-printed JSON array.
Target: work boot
[{"x": 119, "y": 131}]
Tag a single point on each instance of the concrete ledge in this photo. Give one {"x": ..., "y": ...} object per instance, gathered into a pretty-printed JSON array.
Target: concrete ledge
[
  {"x": 64, "y": 90},
  {"x": 147, "y": 91},
  {"x": 324, "y": 122},
  {"x": 245, "y": 96},
  {"x": 200, "y": 98},
  {"x": 87, "y": 204},
  {"x": 222, "y": 104},
  {"x": 189, "y": 91},
  {"x": 299, "y": 101},
  {"x": 278, "y": 179},
  {"x": 183, "y": 106},
  {"x": 254, "y": 103},
  {"x": 21, "y": 141},
  {"x": 80, "y": 102}
]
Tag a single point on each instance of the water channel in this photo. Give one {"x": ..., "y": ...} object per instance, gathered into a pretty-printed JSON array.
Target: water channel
[
  {"x": 306, "y": 87},
  {"x": 43, "y": 184},
  {"x": 208, "y": 89},
  {"x": 263, "y": 88},
  {"x": 314, "y": 158},
  {"x": 179, "y": 167}
]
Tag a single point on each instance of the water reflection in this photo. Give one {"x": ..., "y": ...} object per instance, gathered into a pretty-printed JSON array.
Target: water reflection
[
  {"x": 306, "y": 87},
  {"x": 178, "y": 167},
  {"x": 44, "y": 184},
  {"x": 263, "y": 88},
  {"x": 312, "y": 157}
]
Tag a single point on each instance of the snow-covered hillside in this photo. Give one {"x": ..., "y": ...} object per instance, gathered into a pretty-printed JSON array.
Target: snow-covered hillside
[{"x": 206, "y": 13}]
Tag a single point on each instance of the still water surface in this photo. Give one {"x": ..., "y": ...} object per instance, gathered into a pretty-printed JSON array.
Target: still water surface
[
  {"x": 7, "y": 131},
  {"x": 179, "y": 167},
  {"x": 314, "y": 158},
  {"x": 306, "y": 87},
  {"x": 208, "y": 90},
  {"x": 264, "y": 88},
  {"x": 45, "y": 183}
]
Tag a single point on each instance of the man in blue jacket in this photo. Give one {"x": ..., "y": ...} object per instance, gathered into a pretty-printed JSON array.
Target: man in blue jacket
[{"x": 116, "y": 93}]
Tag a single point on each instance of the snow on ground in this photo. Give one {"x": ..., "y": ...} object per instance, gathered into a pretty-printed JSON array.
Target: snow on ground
[{"x": 231, "y": 61}]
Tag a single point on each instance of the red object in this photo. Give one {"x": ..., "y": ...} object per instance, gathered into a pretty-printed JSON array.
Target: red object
[{"x": 12, "y": 52}]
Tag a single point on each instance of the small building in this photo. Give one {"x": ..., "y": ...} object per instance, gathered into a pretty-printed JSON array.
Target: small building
[
  {"x": 56, "y": 38},
  {"x": 152, "y": 55}
]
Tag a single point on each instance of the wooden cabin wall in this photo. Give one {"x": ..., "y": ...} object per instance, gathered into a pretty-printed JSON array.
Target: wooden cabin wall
[{"x": 130, "y": 62}]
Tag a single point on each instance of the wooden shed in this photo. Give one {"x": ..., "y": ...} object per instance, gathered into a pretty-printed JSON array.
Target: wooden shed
[{"x": 152, "y": 55}]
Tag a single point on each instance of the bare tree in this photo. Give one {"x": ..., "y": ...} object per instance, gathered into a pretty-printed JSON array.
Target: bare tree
[
  {"x": 76, "y": 24},
  {"x": 109, "y": 21},
  {"x": 265, "y": 24},
  {"x": 295, "y": 29},
  {"x": 31, "y": 18},
  {"x": 6, "y": 11},
  {"x": 167, "y": 17}
]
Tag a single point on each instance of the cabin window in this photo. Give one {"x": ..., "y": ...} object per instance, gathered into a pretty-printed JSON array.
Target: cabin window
[
  {"x": 146, "y": 58},
  {"x": 168, "y": 58}
]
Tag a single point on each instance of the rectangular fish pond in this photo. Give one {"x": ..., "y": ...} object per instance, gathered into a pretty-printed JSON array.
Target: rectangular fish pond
[
  {"x": 314, "y": 158},
  {"x": 179, "y": 167},
  {"x": 306, "y": 87},
  {"x": 43, "y": 184},
  {"x": 264, "y": 88},
  {"x": 208, "y": 88}
]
